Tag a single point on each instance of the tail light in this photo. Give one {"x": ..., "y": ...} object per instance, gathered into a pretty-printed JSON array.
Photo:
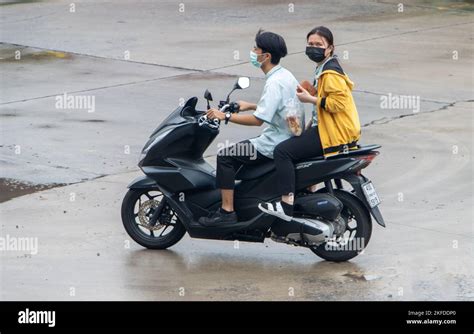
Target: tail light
[{"x": 363, "y": 161}]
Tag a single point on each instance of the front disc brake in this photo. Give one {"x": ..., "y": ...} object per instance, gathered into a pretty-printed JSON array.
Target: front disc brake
[{"x": 145, "y": 211}]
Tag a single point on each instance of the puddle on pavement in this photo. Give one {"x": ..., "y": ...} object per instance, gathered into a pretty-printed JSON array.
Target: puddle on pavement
[
  {"x": 10, "y": 188},
  {"x": 360, "y": 276}
]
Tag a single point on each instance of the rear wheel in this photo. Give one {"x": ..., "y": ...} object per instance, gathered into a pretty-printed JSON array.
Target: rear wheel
[
  {"x": 138, "y": 207},
  {"x": 358, "y": 231}
]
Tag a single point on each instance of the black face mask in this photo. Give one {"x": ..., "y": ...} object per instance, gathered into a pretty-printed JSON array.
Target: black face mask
[{"x": 315, "y": 54}]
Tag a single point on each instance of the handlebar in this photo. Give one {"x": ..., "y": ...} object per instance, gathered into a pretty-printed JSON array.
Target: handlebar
[
  {"x": 232, "y": 107},
  {"x": 210, "y": 123},
  {"x": 224, "y": 107}
]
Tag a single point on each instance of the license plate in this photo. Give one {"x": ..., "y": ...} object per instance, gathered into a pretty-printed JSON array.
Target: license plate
[{"x": 370, "y": 194}]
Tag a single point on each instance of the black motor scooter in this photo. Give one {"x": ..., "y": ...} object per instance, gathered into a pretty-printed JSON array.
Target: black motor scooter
[{"x": 179, "y": 187}]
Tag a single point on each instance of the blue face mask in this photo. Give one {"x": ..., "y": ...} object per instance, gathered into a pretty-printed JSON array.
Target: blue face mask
[{"x": 254, "y": 61}]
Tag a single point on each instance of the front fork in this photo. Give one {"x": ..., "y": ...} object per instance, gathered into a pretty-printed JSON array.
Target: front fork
[{"x": 159, "y": 210}]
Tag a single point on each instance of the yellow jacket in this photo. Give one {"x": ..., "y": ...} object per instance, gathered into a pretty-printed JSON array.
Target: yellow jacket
[{"x": 338, "y": 120}]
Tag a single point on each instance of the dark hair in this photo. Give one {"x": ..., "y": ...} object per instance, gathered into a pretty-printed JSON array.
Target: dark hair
[
  {"x": 323, "y": 32},
  {"x": 272, "y": 43}
]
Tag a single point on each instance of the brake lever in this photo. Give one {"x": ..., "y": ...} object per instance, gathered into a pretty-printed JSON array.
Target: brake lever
[
  {"x": 234, "y": 107},
  {"x": 224, "y": 107}
]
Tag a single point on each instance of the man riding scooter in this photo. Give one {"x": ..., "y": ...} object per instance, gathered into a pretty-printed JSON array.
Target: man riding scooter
[
  {"x": 179, "y": 187},
  {"x": 279, "y": 94}
]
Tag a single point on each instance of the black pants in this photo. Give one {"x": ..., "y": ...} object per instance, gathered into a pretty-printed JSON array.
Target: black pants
[
  {"x": 230, "y": 159},
  {"x": 307, "y": 145}
]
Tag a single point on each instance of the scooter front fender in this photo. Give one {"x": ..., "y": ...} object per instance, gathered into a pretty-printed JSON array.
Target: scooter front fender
[{"x": 142, "y": 182}]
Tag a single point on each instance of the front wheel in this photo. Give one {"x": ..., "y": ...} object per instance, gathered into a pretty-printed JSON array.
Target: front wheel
[
  {"x": 358, "y": 229},
  {"x": 138, "y": 206}
]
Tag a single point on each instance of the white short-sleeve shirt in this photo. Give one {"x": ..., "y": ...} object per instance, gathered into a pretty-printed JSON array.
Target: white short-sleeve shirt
[{"x": 278, "y": 97}]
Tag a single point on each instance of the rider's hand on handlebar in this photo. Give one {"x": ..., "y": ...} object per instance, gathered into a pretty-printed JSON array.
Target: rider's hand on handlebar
[{"x": 214, "y": 113}]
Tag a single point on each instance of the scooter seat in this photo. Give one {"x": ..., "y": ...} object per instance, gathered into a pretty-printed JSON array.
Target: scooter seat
[{"x": 249, "y": 172}]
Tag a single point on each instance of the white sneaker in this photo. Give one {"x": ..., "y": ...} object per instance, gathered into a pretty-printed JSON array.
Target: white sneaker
[{"x": 274, "y": 210}]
